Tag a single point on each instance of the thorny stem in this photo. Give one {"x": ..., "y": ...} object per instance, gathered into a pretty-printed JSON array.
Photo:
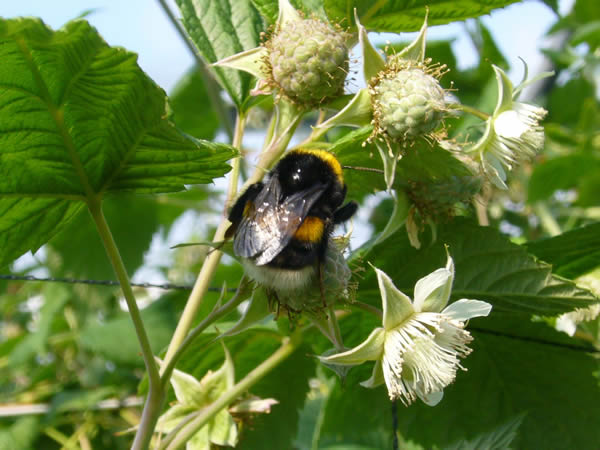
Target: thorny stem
[
  {"x": 154, "y": 401},
  {"x": 470, "y": 110},
  {"x": 212, "y": 259},
  {"x": 178, "y": 437}
]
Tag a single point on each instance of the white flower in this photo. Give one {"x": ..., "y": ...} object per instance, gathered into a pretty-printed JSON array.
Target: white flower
[
  {"x": 418, "y": 350},
  {"x": 513, "y": 133}
]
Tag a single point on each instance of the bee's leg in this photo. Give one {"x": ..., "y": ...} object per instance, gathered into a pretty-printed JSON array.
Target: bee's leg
[
  {"x": 322, "y": 283},
  {"x": 273, "y": 302}
]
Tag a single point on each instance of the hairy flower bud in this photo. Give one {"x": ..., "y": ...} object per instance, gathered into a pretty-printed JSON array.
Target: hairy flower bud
[
  {"x": 309, "y": 61},
  {"x": 408, "y": 101}
]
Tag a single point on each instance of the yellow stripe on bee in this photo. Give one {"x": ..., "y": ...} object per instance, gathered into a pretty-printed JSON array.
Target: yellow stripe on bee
[
  {"x": 328, "y": 158},
  {"x": 311, "y": 230}
]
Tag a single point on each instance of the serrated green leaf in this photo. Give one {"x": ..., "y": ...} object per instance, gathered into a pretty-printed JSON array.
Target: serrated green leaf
[
  {"x": 499, "y": 438},
  {"x": 350, "y": 151},
  {"x": 509, "y": 376},
  {"x": 142, "y": 215},
  {"x": 221, "y": 29},
  {"x": 79, "y": 119},
  {"x": 488, "y": 267},
  {"x": 572, "y": 253},
  {"x": 400, "y": 16},
  {"x": 513, "y": 370}
]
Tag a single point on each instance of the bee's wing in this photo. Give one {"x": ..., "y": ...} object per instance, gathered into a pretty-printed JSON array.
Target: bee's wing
[{"x": 270, "y": 225}]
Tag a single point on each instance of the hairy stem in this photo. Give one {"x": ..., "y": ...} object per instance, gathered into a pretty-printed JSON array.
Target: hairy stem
[
  {"x": 212, "y": 260},
  {"x": 178, "y": 437},
  {"x": 368, "y": 308},
  {"x": 468, "y": 109},
  {"x": 215, "y": 315},
  {"x": 154, "y": 401}
]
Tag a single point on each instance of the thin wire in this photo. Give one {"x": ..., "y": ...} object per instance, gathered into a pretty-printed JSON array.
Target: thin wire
[
  {"x": 165, "y": 286},
  {"x": 182, "y": 287}
]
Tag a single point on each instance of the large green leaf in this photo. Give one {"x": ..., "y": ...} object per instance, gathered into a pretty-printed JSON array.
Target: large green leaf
[
  {"x": 133, "y": 233},
  {"x": 572, "y": 253},
  {"x": 221, "y": 29},
  {"x": 79, "y": 119},
  {"x": 192, "y": 111},
  {"x": 401, "y": 16},
  {"x": 488, "y": 267},
  {"x": 421, "y": 162}
]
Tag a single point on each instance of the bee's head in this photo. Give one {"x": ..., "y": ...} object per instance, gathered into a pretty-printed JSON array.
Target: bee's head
[{"x": 301, "y": 169}]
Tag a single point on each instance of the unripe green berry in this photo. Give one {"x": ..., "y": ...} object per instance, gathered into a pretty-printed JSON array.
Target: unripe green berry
[
  {"x": 309, "y": 61},
  {"x": 438, "y": 200},
  {"x": 407, "y": 102}
]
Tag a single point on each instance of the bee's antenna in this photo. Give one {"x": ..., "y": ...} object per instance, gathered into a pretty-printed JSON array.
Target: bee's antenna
[{"x": 364, "y": 169}]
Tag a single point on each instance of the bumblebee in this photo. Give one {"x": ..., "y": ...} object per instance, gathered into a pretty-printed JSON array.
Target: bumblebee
[{"x": 281, "y": 226}]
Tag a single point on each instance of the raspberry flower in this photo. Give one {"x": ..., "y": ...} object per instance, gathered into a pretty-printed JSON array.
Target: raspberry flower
[
  {"x": 305, "y": 60},
  {"x": 418, "y": 349},
  {"x": 513, "y": 133}
]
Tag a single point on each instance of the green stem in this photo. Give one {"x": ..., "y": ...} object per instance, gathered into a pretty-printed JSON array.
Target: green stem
[
  {"x": 215, "y": 315},
  {"x": 212, "y": 87},
  {"x": 154, "y": 401},
  {"x": 334, "y": 326},
  {"x": 180, "y": 436},
  {"x": 470, "y": 110},
  {"x": 212, "y": 260},
  {"x": 369, "y": 308},
  {"x": 548, "y": 221}
]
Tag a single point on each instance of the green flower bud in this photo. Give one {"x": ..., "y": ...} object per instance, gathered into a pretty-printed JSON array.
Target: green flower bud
[
  {"x": 408, "y": 101},
  {"x": 309, "y": 61}
]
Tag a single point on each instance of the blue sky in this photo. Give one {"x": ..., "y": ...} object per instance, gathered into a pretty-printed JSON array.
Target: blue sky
[{"x": 142, "y": 27}]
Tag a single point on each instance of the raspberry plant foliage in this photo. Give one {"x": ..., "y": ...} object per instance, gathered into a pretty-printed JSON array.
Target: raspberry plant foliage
[{"x": 452, "y": 164}]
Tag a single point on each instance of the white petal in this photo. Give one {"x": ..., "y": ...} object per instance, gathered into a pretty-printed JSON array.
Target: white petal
[
  {"x": 432, "y": 398},
  {"x": 464, "y": 309},
  {"x": 369, "y": 350},
  {"x": 509, "y": 124},
  {"x": 432, "y": 291},
  {"x": 397, "y": 306}
]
